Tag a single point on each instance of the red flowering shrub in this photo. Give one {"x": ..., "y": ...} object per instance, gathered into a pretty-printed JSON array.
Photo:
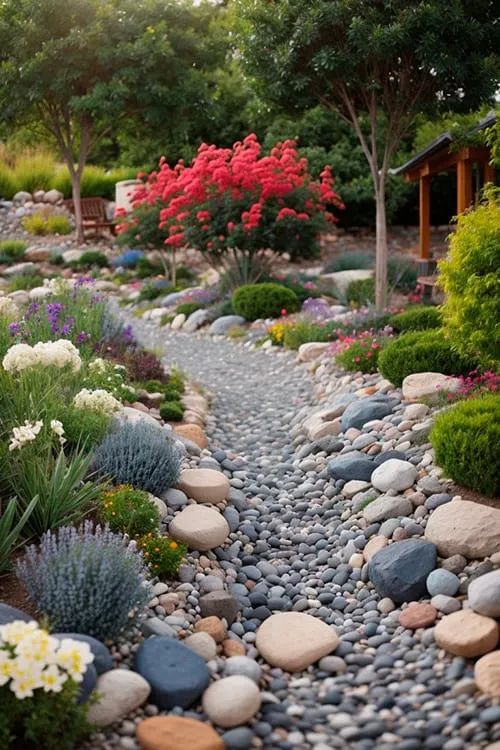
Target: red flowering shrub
[
  {"x": 237, "y": 202},
  {"x": 359, "y": 352}
]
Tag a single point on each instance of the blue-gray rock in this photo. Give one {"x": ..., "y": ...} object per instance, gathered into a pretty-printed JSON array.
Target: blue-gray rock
[
  {"x": 365, "y": 409},
  {"x": 87, "y": 685},
  {"x": 177, "y": 675},
  {"x": 10, "y": 614},
  {"x": 484, "y": 594},
  {"x": 196, "y": 320},
  {"x": 381, "y": 458},
  {"x": 441, "y": 581},
  {"x": 222, "y": 325},
  {"x": 102, "y": 657},
  {"x": 238, "y": 739},
  {"x": 434, "y": 501},
  {"x": 219, "y": 604},
  {"x": 400, "y": 570},
  {"x": 353, "y": 465}
]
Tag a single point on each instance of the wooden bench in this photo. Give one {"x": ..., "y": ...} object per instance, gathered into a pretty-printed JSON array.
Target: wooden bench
[
  {"x": 93, "y": 214},
  {"x": 428, "y": 284}
]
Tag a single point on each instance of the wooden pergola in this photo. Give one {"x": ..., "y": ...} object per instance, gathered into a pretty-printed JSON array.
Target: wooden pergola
[{"x": 438, "y": 157}]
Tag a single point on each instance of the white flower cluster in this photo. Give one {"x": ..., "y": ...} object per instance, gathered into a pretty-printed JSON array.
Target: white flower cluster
[
  {"x": 9, "y": 309},
  {"x": 31, "y": 659},
  {"x": 57, "y": 427},
  {"x": 98, "y": 365},
  {"x": 60, "y": 353},
  {"x": 24, "y": 434},
  {"x": 98, "y": 400}
]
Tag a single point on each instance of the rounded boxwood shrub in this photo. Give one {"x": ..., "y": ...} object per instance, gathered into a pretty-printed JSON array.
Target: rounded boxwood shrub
[
  {"x": 361, "y": 292},
  {"x": 254, "y": 301},
  {"x": 171, "y": 411},
  {"x": 421, "y": 351},
  {"x": 466, "y": 439},
  {"x": 417, "y": 318},
  {"x": 470, "y": 279}
]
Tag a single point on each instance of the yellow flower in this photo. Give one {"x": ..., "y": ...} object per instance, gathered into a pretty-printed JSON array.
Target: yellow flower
[{"x": 173, "y": 545}]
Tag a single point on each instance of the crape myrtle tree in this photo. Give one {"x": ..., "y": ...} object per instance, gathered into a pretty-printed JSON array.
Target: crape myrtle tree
[
  {"x": 377, "y": 63},
  {"x": 80, "y": 66}
]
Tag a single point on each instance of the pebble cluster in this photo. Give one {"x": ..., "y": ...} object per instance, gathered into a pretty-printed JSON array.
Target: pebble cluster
[{"x": 304, "y": 516}]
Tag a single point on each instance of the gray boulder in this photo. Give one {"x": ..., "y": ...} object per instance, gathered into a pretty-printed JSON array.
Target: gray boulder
[
  {"x": 365, "y": 409},
  {"x": 222, "y": 325},
  {"x": 400, "y": 570},
  {"x": 196, "y": 320},
  {"x": 10, "y": 614},
  {"x": 353, "y": 465},
  {"x": 484, "y": 594}
]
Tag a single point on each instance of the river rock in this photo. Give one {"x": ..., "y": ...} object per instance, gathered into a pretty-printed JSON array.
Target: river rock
[
  {"x": 177, "y": 675},
  {"x": 394, "y": 475},
  {"x": 192, "y": 432},
  {"x": 462, "y": 527},
  {"x": 222, "y": 325},
  {"x": 484, "y": 594},
  {"x": 204, "y": 485},
  {"x": 10, "y": 614},
  {"x": 311, "y": 350},
  {"x": 418, "y": 615},
  {"x": 400, "y": 570},
  {"x": 466, "y": 633},
  {"x": 176, "y": 732},
  {"x": 120, "y": 692},
  {"x": 219, "y": 604},
  {"x": 231, "y": 701},
  {"x": 178, "y": 321},
  {"x": 487, "y": 674},
  {"x": 201, "y": 528},
  {"x": 428, "y": 385},
  {"x": 365, "y": 409},
  {"x": 386, "y": 506},
  {"x": 441, "y": 581},
  {"x": 294, "y": 640},
  {"x": 203, "y": 644},
  {"x": 353, "y": 465}
]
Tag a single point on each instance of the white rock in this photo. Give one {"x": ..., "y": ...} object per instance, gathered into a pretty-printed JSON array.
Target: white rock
[
  {"x": 311, "y": 350},
  {"x": 201, "y": 528},
  {"x": 294, "y": 640},
  {"x": 323, "y": 429},
  {"x": 160, "y": 505},
  {"x": 21, "y": 197},
  {"x": 53, "y": 196},
  {"x": 340, "y": 280},
  {"x": 354, "y": 486},
  {"x": 131, "y": 415},
  {"x": 120, "y": 691},
  {"x": 70, "y": 256},
  {"x": 394, "y": 475},
  {"x": 428, "y": 385},
  {"x": 203, "y": 644},
  {"x": 178, "y": 321},
  {"x": 484, "y": 594},
  {"x": 204, "y": 485},
  {"x": 462, "y": 527},
  {"x": 40, "y": 292},
  {"x": 416, "y": 411},
  {"x": 231, "y": 701}
]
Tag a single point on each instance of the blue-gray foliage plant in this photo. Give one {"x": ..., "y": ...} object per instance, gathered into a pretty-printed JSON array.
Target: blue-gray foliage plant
[
  {"x": 139, "y": 454},
  {"x": 86, "y": 580}
]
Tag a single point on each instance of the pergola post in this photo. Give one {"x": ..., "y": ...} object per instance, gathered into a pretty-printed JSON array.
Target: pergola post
[
  {"x": 425, "y": 217},
  {"x": 464, "y": 185},
  {"x": 489, "y": 173}
]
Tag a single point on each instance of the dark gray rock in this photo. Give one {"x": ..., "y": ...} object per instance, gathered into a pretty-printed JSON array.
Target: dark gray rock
[
  {"x": 87, "y": 685},
  {"x": 364, "y": 410},
  {"x": 354, "y": 465},
  {"x": 219, "y": 604},
  {"x": 177, "y": 675},
  {"x": 9, "y": 614},
  {"x": 400, "y": 570},
  {"x": 381, "y": 458},
  {"x": 102, "y": 657}
]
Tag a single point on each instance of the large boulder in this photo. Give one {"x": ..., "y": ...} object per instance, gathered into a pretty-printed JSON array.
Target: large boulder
[
  {"x": 222, "y": 325},
  {"x": 311, "y": 350},
  {"x": 177, "y": 675},
  {"x": 201, "y": 528},
  {"x": 466, "y": 634},
  {"x": 294, "y": 640},
  {"x": 120, "y": 692},
  {"x": 400, "y": 570},
  {"x": 353, "y": 465},
  {"x": 428, "y": 385},
  {"x": 394, "y": 474},
  {"x": 484, "y": 594},
  {"x": 462, "y": 527},
  {"x": 204, "y": 485},
  {"x": 196, "y": 320},
  {"x": 365, "y": 409}
]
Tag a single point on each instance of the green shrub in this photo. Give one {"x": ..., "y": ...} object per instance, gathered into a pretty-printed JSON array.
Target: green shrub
[
  {"x": 161, "y": 554},
  {"x": 92, "y": 258},
  {"x": 176, "y": 379},
  {"x": 361, "y": 292},
  {"x": 35, "y": 224},
  {"x": 150, "y": 292},
  {"x": 83, "y": 427},
  {"x": 172, "y": 394},
  {"x": 39, "y": 224},
  {"x": 417, "y": 318},
  {"x": 171, "y": 411},
  {"x": 254, "y": 301},
  {"x": 12, "y": 250},
  {"x": 303, "y": 332},
  {"x": 25, "y": 281},
  {"x": 146, "y": 268},
  {"x": 471, "y": 280},
  {"x": 129, "y": 511},
  {"x": 422, "y": 351},
  {"x": 187, "y": 308},
  {"x": 360, "y": 356},
  {"x": 354, "y": 260},
  {"x": 34, "y": 171},
  {"x": 466, "y": 439},
  {"x": 57, "y": 224},
  {"x": 7, "y": 184}
]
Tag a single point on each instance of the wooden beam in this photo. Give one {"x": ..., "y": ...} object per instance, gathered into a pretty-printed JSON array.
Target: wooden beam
[
  {"x": 425, "y": 217},
  {"x": 464, "y": 185}
]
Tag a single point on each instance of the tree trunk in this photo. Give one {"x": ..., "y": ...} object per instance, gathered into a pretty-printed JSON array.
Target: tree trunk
[
  {"x": 381, "y": 246},
  {"x": 77, "y": 203}
]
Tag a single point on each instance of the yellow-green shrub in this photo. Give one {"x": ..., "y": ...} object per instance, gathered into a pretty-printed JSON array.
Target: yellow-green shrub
[
  {"x": 34, "y": 171},
  {"x": 40, "y": 224},
  {"x": 470, "y": 277},
  {"x": 96, "y": 182}
]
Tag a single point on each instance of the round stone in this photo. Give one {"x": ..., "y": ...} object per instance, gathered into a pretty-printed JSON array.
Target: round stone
[
  {"x": 487, "y": 674},
  {"x": 418, "y": 615},
  {"x": 233, "y": 648},
  {"x": 199, "y": 527},
  {"x": 120, "y": 692},
  {"x": 466, "y": 633},
  {"x": 231, "y": 701},
  {"x": 462, "y": 527},
  {"x": 192, "y": 432},
  {"x": 174, "y": 732},
  {"x": 441, "y": 581},
  {"x": 213, "y": 626},
  {"x": 242, "y": 665},
  {"x": 204, "y": 485},
  {"x": 203, "y": 644},
  {"x": 294, "y": 640},
  {"x": 484, "y": 594},
  {"x": 375, "y": 544},
  {"x": 394, "y": 475}
]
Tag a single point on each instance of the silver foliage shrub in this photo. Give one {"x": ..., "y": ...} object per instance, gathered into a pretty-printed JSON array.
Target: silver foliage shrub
[
  {"x": 85, "y": 580},
  {"x": 141, "y": 455}
]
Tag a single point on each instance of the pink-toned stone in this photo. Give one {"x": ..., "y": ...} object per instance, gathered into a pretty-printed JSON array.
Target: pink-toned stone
[{"x": 418, "y": 615}]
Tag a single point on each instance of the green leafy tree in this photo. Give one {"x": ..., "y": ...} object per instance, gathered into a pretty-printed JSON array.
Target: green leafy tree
[
  {"x": 81, "y": 66},
  {"x": 376, "y": 64}
]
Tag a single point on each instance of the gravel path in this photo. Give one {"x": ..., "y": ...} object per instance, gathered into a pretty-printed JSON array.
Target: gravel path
[{"x": 386, "y": 687}]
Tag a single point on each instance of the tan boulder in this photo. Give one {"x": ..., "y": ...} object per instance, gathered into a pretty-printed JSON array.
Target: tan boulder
[
  {"x": 487, "y": 674},
  {"x": 213, "y": 626},
  {"x": 467, "y": 634},
  {"x": 199, "y": 527},
  {"x": 192, "y": 432},
  {"x": 428, "y": 385},
  {"x": 175, "y": 732},
  {"x": 294, "y": 640},
  {"x": 204, "y": 485},
  {"x": 231, "y": 701},
  {"x": 324, "y": 429},
  {"x": 462, "y": 527},
  {"x": 311, "y": 350}
]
